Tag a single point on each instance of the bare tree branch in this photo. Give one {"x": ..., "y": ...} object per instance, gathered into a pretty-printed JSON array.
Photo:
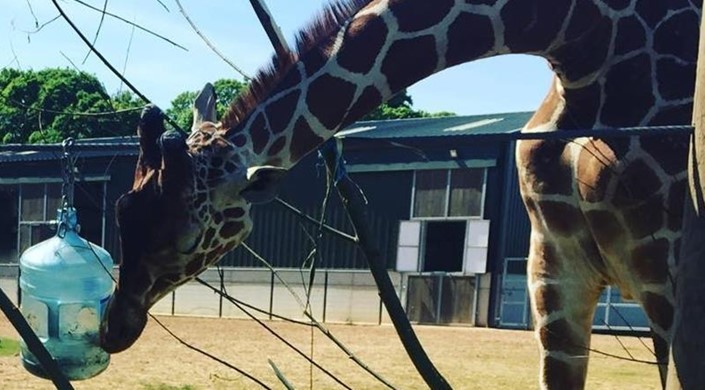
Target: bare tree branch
[
  {"x": 163, "y": 5},
  {"x": 97, "y": 31},
  {"x": 14, "y": 56},
  {"x": 31, "y": 11},
  {"x": 270, "y": 27},
  {"x": 120, "y": 18},
  {"x": 127, "y": 54},
  {"x": 70, "y": 61},
  {"x": 109, "y": 65},
  {"x": 208, "y": 42},
  {"x": 38, "y": 27}
]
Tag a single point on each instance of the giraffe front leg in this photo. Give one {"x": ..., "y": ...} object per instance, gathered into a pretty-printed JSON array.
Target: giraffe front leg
[
  {"x": 562, "y": 308},
  {"x": 658, "y": 306}
]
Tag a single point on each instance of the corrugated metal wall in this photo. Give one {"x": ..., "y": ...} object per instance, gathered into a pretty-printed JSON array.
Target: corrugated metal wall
[
  {"x": 283, "y": 239},
  {"x": 516, "y": 220}
]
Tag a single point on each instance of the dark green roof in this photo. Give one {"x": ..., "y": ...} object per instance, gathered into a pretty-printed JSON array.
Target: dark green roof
[{"x": 490, "y": 124}]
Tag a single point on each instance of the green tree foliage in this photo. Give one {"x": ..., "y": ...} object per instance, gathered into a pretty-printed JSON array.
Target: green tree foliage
[
  {"x": 400, "y": 107},
  {"x": 51, "y": 104},
  {"x": 181, "y": 109}
]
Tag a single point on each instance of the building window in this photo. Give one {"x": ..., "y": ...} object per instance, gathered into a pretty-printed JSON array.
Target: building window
[
  {"x": 443, "y": 193},
  {"x": 28, "y": 211},
  {"x": 38, "y": 204},
  {"x": 8, "y": 223}
]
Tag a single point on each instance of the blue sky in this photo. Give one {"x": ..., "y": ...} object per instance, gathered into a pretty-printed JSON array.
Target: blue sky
[{"x": 161, "y": 70}]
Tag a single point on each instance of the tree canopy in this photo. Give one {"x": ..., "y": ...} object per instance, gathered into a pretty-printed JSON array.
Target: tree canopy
[
  {"x": 398, "y": 107},
  {"x": 52, "y": 104}
]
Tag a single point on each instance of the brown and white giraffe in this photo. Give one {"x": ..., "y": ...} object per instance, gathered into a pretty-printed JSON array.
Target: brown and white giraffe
[{"x": 603, "y": 211}]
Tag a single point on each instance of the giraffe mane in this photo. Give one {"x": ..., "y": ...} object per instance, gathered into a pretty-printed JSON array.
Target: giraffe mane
[{"x": 326, "y": 22}]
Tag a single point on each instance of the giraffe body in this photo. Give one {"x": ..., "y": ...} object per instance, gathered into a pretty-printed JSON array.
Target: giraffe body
[{"x": 603, "y": 211}]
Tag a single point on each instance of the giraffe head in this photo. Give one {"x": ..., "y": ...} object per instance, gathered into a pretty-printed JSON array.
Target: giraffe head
[{"x": 189, "y": 205}]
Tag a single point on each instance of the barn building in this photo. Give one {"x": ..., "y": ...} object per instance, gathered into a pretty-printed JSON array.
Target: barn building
[{"x": 443, "y": 198}]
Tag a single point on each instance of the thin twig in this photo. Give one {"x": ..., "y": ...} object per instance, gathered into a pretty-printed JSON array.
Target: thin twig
[
  {"x": 14, "y": 55},
  {"x": 39, "y": 28},
  {"x": 97, "y": 31},
  {"x": 163, "y": 5},
  {"x": 174, "y": 335},
  {"x": 120, "y": 18},
  {"x": 109, "y": 65},
  {"x": 276, "y": 274},
  {"x": 70, "y": 61},
  {"x": 631, "y": 328},
  {"x": 127, "y": 54},
  {"x": 31, "y": 11},
  {"x": 348, "y": 352},
  {"x": 315, "y": 322},
  {"x": 281, "y": 376},
  {"x": 307, "y": 218},
  {"x": 209, "y": 44},
  {"x": 355, "y": 204},
  {"x": 232, "y": 299},
  {"x": 287, "y": 343},
  {"x": 209, "y": 355}
]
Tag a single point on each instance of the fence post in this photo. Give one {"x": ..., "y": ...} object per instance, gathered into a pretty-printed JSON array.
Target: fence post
[
  {"x": 220, "y": 296},
  {"x": 475, "y": 299},
  {"x": 325, "y": 295},
  {"x": 271, "y": 294},
  {"x": 439, "y": 296},
  {"x": 381, "y": 306}
]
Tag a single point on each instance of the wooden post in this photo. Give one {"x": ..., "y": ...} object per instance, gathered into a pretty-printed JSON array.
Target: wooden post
[{"x": 686, "y": 368}]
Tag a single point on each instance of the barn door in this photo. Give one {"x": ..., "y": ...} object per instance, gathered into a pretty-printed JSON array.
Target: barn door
[
  {"x": 477, "y": 236},
  {"x": 514, "y": 307},
  {"x": 409, "y": 247}
]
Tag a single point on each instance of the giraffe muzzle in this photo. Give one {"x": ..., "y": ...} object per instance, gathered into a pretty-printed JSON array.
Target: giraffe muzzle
[{"x": 123, "y": 324}]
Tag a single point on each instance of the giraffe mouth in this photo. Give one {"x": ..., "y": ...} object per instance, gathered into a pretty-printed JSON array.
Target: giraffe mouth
[{"x": 123, "y": 324}]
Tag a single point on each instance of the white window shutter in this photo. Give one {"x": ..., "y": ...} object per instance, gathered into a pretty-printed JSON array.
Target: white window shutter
[
  {"x": 409, "y": 246},
  {"x": 477, "y": 237}
]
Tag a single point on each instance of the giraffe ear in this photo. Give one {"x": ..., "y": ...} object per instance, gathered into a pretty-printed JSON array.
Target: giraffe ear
[
  {"x": 176, "y": 162},
  {"x": 204, "y": 107},
  {"x": 262, "y": 184}
]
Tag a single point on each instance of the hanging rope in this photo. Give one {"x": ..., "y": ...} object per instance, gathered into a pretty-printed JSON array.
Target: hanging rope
[{"x": 68, "y": 164}]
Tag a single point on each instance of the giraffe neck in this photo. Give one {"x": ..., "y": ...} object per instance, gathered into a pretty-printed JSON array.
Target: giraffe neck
[{"x": 387, "y": 46}]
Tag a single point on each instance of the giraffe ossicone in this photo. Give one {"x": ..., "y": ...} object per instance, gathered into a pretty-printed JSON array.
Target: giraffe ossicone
[{"x": 602, "y": 211}]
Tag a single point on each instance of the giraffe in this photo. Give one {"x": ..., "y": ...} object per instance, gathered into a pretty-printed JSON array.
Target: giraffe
[{"x": 602, "y": 211}]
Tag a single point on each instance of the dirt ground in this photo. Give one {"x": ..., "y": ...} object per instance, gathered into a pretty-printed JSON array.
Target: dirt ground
[{"x": 469, "y": 358}]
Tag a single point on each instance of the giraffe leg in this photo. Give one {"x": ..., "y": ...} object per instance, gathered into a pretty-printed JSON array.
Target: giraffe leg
[
  {"x": 563, "y": 329},
  {"x": 659, "y": 309},
  {"x": 661, "y": 347}
]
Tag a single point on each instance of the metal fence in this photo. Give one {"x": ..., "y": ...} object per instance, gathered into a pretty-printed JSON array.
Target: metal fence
[{"x": 344, "y": 296}]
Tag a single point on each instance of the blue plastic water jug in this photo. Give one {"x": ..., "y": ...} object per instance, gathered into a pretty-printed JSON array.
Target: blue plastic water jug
[{"x": 65, "y": 286}]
